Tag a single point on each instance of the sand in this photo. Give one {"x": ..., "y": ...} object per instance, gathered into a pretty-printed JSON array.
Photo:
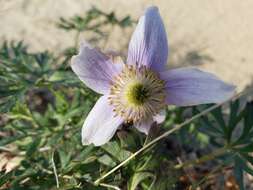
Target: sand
[{"x": 221, "y": 32}]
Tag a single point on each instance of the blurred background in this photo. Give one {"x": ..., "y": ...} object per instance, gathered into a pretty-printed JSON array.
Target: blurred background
[{"x": 214, "y": 35}]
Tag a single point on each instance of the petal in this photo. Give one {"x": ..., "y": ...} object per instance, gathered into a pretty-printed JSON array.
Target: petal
[
  {"x": 144, "y": 126},
  {"x": 101, "y": 124},
  {"x": 160, "y": 117},
  {"x": 148, "y": 45},
  {"x": 94, "y": 68},
  {"x": 188, "y": 86}
]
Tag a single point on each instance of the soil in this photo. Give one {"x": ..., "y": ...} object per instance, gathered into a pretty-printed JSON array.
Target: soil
[{"x": 216, "y": 36}]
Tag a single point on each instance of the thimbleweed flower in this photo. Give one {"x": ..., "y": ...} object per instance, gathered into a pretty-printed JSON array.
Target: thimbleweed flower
[{"x": 139, "y": 90}]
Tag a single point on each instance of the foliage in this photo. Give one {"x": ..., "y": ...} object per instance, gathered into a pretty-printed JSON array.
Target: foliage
[
  {"x": 96, "y": 22},
  {"x": 100, "y": 18},
  {"x": 43, "y": 106},
  {"x": 234, "y": 133}
]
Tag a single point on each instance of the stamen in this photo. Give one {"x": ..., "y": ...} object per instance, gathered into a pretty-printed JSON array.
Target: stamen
[{"x": 137, "y": 94}]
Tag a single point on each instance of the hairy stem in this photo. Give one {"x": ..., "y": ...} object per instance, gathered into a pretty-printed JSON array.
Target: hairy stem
[{"x": 109, "y": 186}]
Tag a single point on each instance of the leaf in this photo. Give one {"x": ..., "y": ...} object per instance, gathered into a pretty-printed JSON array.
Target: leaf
[
  {"x": 25, "y": 173},
  {"x": 33, "y": 147},
  {"x": 248, "y": 118},
  {"x": 244, "y": 165},
  {"x": 247, "y": 148},
  {"x": 64, "y": 157},
  {"x": 127, "y": 21},
  {"x": 116, "y": 151},
  {"x": 137, "y": 178},
  {"x": 238, "y": 172},
  {"x": 107, "y": 160},
  {"x": 234, "y": 108},
  {"x": 217, "y": 114},
  {"x": 64, "y": 77},
  {"x": 7, "y": 105},
  {"x": 247, "y": 114},
  {"x": 5, "y": 177},
  {"x": 207, "y": 124},
  {"x": 233, "y": 118},
  {"x": 61, "y": 103},
  {"x": 86, "y": 152},
  {"x": 9, "y": 140},
  {"x": 21, "y": 71},
  {"x": 248, "y": 158}
]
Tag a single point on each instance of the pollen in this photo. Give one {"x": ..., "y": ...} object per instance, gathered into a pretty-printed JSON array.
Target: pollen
[{"x": 137, "y": 94}]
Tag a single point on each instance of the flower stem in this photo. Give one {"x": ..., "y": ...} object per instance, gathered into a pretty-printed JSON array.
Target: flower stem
[
  {"x": 177, "y": 127},
  {"x": 109, "y": 186},
  {"x": 55, "y": 171}
]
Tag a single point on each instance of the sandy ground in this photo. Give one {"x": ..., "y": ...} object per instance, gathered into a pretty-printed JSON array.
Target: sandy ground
[{"x": 220, "y": 31}]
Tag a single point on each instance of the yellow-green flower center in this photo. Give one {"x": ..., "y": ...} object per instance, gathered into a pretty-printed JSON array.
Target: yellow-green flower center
[{"x": 136, "y": 94}]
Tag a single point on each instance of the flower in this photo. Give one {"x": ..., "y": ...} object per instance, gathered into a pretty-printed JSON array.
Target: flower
[{"x": 139, "y": 90}]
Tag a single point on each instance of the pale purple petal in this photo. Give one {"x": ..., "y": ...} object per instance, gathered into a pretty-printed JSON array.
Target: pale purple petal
[
  {"x": 101, "y": 123},
  {"x": 160, "y": 117},
  {"x": 94, "y": 68},
  {"x": 144, "y": 126},
  {"x": 188, "y": 86},
  {"x": 148, "y": 45}
]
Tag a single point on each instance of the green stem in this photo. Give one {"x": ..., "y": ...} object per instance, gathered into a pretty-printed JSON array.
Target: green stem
[
  {"x": 24, "y": 117},
  {"x": 176, "y": 128},
  {"x": 202, "y": 159},
  {"x": 109, "y": 186},
  {"x": 55, "y": 171}
]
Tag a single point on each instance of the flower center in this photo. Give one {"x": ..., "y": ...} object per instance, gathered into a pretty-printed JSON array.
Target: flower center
[{"x": 137, "y": 94}]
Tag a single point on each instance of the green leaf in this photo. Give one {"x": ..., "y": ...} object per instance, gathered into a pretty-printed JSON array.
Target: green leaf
[
  {"x": 12, "y": 139},
  {"x": 238, "y": 172},
  {"x": 234, "y": 108},
  {"x": 87, "y": 150},
  {"x": 7, "y": 105},
  {"x": 208, "y": 125},
  {"x": 20, "y": 72},
  {"x": 107, "y": 160},
  {"x": 137, "y": 178},
  {"x": 247, "y": 123},
  {"x": 233, "y": 118},
  {"x": 26, "y": 173},
  {"x": 127, "y": 21},
  {"x": 63, "y": 77},
  {"x": 61, "y": 103},
  {"x": 65, "y": 157},
  {"x": 217, "y": 114},
  {"x": 33, "y": 147},
  {"x": 248, "y": 158},
  {"x": 116, "y": 151},
  {"x": 244, "y": 165},
  {"x": 247, "y": 148},
  {"x": 248, "y": 118},
  {"x": 5, "y": 177}
]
